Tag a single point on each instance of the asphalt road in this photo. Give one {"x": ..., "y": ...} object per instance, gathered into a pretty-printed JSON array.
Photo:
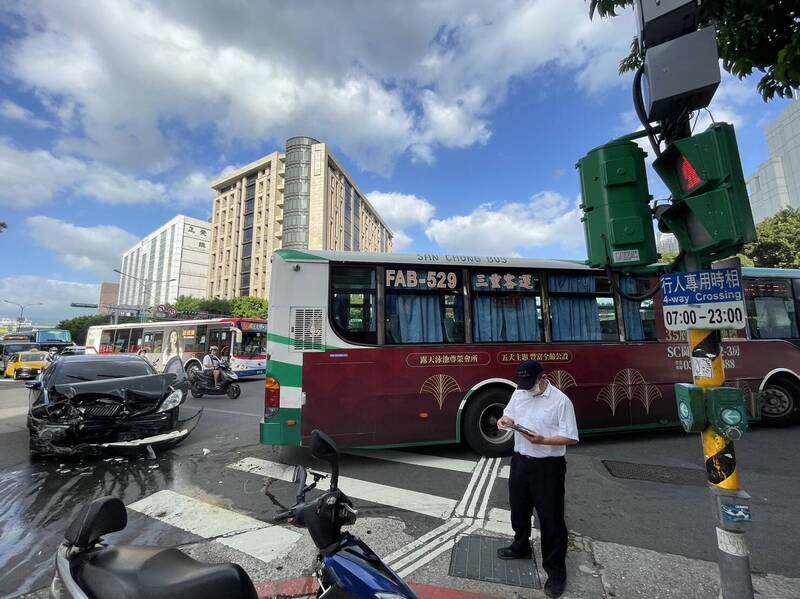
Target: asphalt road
[{"x": 223, "y": 464}]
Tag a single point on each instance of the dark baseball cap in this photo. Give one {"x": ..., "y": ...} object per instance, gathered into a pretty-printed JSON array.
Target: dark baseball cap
[{"x": 527, "y": 373}]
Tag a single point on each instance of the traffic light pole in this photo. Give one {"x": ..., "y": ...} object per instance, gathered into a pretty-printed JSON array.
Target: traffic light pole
[{"x": 708, "y": 372}]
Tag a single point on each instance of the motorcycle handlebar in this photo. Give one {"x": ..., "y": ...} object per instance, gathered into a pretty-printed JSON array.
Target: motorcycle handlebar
[{"x": 283, "y": 516}]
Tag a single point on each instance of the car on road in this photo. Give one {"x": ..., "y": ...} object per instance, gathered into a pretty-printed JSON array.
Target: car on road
[
  {"x": 96, "y": 404},
  {"x": 10, "y": 347},
  {"x": 25, "y": 365}
]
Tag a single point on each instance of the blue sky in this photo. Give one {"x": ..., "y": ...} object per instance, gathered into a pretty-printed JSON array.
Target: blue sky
[{"x": 461, "y": 120}]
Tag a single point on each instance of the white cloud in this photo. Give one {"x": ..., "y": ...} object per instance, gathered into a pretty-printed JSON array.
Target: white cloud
[
  {"x": 401, "y": 241},
  {"x": 32, "y": 177},
  {"x": 393, "y": 79},
  {"x": 195, "y": 188},
  {"x": 55, "y": 296},
  {"x": 401, "y": 210},
  {"x": 96, "y": 249},
  {"x": 15, "y": 112},
  {"x": 547, "y": 219}
]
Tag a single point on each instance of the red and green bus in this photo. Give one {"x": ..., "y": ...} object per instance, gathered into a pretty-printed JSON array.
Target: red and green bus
[
  {"x": 393, "y": 350},
  {"x": 240, "y": 340}
]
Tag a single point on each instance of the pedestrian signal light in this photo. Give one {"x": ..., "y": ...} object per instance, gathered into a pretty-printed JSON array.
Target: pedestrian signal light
[
  {"x": 691, "y": 404},
  {"x": 726, "y": 411},
  {"x": 689, "y": 177},
  {"x": 710, "y": 212}
]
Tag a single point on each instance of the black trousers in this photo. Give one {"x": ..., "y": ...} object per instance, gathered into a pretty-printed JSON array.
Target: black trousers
[{"x": 539, "y": 483}]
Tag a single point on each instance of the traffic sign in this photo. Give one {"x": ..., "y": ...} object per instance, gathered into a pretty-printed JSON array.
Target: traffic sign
[{"x": 709, "y": 299}]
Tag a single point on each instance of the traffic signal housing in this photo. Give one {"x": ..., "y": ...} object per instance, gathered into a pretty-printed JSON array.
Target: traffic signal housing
[
  {"x": 617, "y": 219},
  {"x": 726, "y": 411},
  {"x": 710, "y": 213}
]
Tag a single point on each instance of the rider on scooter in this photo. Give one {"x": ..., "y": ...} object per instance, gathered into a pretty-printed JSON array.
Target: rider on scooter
[{"x": 212, "y": 362}]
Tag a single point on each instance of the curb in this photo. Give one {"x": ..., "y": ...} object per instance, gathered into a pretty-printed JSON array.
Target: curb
[{"x": 307, "y": 587}]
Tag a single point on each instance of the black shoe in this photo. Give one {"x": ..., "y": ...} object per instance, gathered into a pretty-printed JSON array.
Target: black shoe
[
  {"x": 554, "y": 589},
  {"x": 515, "y": 552}
]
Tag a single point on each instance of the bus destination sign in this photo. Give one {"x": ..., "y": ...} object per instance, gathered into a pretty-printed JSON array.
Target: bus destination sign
[{"x": 711, "y": 299}]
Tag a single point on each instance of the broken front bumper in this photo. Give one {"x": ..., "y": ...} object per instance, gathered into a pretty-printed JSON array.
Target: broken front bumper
[{"x": 48, "y": 438}]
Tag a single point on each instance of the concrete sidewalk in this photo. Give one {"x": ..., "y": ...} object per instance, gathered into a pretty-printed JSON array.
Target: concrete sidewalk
[{"x": 598, "y": 570}]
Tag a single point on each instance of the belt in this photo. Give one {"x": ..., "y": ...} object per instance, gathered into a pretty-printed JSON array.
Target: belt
[{"x": 549, "y": 458}]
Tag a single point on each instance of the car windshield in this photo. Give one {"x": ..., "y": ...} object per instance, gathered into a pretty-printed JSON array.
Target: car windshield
[
  {"x": 94, "y": 370},
  {"x": 33, "y": 357},
  {"x": 45, "y": 336},
  {"x": 15, "y": 348}
]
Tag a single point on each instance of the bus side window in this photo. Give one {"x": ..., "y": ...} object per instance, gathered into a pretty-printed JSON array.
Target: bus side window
[
  {"x": 353, "y": 305},
  {"x": 639, "y": 317},
  {"x": 152, "y": 341},
  {"x": 122, "y": 339},
  {"x": 136, "y": 341},
  {"x": 770, "y": 309},
  {"x": 107, "y": 341},
  {"x": 582, "y": 308}
]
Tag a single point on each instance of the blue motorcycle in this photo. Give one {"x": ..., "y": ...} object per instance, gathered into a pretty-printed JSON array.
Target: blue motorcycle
[{"x": 346, "y": 568}]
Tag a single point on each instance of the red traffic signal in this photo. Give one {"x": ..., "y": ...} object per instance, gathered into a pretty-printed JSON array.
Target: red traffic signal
[{"x": 688, "y": 175}]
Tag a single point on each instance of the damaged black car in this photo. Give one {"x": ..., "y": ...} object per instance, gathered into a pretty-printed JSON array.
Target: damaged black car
[{"x": 97, "y": 404}]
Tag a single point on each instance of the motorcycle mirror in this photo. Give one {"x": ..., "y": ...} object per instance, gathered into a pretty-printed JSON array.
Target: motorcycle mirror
[{"x": 324, "y": 448}]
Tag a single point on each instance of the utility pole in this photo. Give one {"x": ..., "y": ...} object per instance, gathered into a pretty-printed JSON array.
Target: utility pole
[
  {"x": 146, "y": 289},
  {"x": 20, "y": 318},
  {"x": 709, "y": 214}
]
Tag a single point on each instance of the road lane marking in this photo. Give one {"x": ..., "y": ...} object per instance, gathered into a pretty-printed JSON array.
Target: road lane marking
[
  {"x": 13, "y": 412},
  {"x": 432, "y": 544},
  {"x": 404, "y": 499},
  {"x": 488, "y": 489},
  {"x": 232, "y": 412},
  {"x": 476, "y": 473},
  {"x": 433, "y": 554},
  {"x": 505, "y": 472},
  {"x": 421, "y": 543},
  {"x": 415, "y": 459},
  {"x": 237, "y": 531}
]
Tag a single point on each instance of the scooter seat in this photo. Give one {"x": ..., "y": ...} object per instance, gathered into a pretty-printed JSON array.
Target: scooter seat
[{"x": 130, "y": 572}]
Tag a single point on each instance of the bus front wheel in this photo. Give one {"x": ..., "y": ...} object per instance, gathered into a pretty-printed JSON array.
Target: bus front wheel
[
  {"x": 480, "y": 424},
  {"x": 779, "y": 402}
]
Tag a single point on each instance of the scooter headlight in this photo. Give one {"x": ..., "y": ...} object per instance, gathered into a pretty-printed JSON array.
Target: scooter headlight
[
  {"x": 389, "y": 596},
  {"x": 173, "y": 400}
]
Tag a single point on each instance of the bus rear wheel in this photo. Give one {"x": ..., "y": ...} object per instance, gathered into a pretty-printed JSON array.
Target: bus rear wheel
[
  {"x": 480, "y": 424},
  {"x": 779, "y": 402}
]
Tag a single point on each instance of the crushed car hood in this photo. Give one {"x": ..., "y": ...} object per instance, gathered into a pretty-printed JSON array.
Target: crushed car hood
[{"x": 145, "y": 389}]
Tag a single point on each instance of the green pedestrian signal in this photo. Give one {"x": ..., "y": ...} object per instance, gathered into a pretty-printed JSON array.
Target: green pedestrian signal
[{"x": 710, "y": 214}]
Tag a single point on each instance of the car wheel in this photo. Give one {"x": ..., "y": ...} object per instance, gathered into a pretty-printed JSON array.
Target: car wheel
[
  {"x": 234, "y": 391},
  {"x": 779, "y": 402},
  {"x": 480, "y": 424}
]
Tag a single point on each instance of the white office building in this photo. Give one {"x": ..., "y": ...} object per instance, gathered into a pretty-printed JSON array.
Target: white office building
[
  {"x": 667, "y": 244},
  {"x": 171, "y": 261},
  {"x": 776, "y": 184}
]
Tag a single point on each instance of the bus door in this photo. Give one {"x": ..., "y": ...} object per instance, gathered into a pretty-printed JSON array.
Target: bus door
[{"x": 223, "y": 339}]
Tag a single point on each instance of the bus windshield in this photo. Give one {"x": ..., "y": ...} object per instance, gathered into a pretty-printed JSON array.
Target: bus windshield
[
  {"x": 253, "y": 345},
  {"x": 56, "y": 335}
]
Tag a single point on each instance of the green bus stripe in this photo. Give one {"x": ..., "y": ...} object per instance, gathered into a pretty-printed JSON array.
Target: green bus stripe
[
  {"x": 275, "y": 338},
  {"x": 298, "y": 255},
  {"x": 288, "y": 375}
]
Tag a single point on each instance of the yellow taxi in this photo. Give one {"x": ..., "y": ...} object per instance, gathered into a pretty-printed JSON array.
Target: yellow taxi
[{"x": 26, "y": 365}]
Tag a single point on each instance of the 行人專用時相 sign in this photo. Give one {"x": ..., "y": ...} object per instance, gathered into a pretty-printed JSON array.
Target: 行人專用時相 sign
[{"x": 709, "y": 299}]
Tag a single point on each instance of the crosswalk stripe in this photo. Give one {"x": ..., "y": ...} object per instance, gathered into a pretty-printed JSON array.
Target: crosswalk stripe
[
  {"x": 488, "y": 490},
  {"x": 432, "y": 545},
  {"x": 404, "y": 499},
  {"x": 434, "y": 553},
  {"x": 415, "y": 459},
  {"x": 505, "y": 472},
  {"x": 237, "y": 531},
  {"x": 476, "y": 473},
  {"x": 421, "y": 542}
]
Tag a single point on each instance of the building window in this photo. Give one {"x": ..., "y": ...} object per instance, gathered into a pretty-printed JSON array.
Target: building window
[{"x": 582, "y": 308}]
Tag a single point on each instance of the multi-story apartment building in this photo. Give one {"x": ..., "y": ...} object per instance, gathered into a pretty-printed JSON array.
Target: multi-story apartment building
[
  {"x": 171, "y": 261},
  {"x": 776, "y": 184},
  {"x": 300, "y": 199}
]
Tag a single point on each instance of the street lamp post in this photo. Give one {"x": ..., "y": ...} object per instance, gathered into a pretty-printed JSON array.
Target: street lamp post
[
  {"x": 22, "y": 307},
  {"x": 146, "y": 288}
]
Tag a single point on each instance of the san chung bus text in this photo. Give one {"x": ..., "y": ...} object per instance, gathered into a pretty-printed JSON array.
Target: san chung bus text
[
  {"x": 393, "y": 350},
  {"x": 240, "y": 340}
]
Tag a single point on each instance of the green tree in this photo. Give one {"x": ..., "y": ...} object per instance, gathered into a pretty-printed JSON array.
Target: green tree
[
  {"x": 216, "y": 306},
  {"x": 185, "y": 303},
  {"x": 249, "y": 307},
  {"x": 80, "y": 325},
  {"x": 778, "y": 244},
  {"x": 757, "y": 35}
]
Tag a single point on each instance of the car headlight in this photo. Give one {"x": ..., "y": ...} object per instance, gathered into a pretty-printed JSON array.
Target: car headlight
[{"x": 173, "y": 400}]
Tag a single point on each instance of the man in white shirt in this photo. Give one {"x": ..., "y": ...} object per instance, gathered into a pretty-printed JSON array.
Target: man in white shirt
[{"x": 538, "y": 469}]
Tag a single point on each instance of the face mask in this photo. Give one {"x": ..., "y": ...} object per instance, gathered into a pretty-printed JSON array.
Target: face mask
[{"x": 539, "y": 387}]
